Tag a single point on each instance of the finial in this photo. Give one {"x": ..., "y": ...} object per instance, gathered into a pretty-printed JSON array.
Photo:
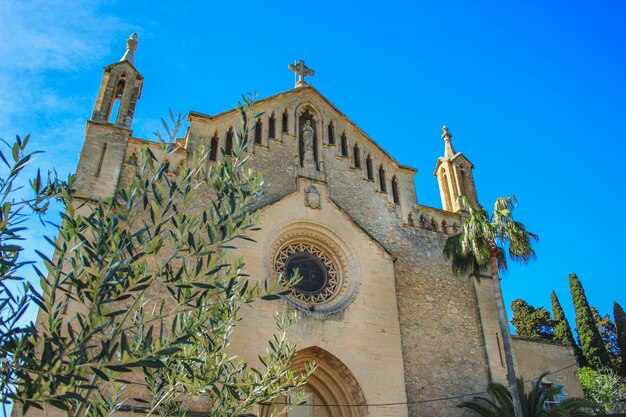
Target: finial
[
  {"x": 300, "y": 69},
  {"x": 446, "y": 136},
  {"x": 131, "y": 47}
]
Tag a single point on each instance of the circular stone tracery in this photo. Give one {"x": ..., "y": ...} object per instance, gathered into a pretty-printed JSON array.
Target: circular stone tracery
[{"x": 320, "y": 277}]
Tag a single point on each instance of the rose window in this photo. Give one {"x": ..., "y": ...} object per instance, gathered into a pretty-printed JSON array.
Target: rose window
[{"x": 319, "y": 276}]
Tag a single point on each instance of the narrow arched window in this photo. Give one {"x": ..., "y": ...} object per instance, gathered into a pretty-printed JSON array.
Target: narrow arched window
[
  {"x": 272, "y": 126},
  {"x": 213, "y": 150},
  {"x": 433, "y": 225},
  {"x": 357, "y": 156},
  {"x": 394, "y": 190},
  {"x": 381, "y": 177},
  {"x": 331, "y": 134},
  {"x": 258, "y": 132},
  {"x": 444, "y": 227},
  {"x": 463, "y": 183},
  {"x": 446, "y": 193},
  {"x": 422, "y": 222},
  {"x": 133, "y": 160},
  {"x": 409, "y": 220},
  {"x": 370, "y": 168},
  {"x": 344, "y": 145},
  {"x": 285, "y": 121},
  {"x": 119, "y": 89},
  {"x": 228, "y": 149}
]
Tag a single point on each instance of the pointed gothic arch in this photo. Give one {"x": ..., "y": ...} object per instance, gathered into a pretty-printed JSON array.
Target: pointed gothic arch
[
  {"x": 133, "y": 160},
  {"x": 258, "y": 131},
  {"x": 285, "y": 125},
  {"x": 447, "y": 202},
  {"x": 381, "y": 179},
  {"x": 422, "y": 222},
  {"x": 464, "y": 190},
  {"x": 344, "y": 144},
  {"x": 395, "y": 192},
  {"x": 214, "y": 146},
  {"x": 370, "y": 168},
  {"x": 271, "y": 128},
  {"x": 332, "y": 383},
  {"x": 357, "y": 156},
  {"x": 228, "y": 148},
  {"x": 116, "y": 102}
]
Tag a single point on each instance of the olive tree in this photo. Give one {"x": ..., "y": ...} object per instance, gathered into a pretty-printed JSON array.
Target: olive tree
[{"x": 142, "y": 295}]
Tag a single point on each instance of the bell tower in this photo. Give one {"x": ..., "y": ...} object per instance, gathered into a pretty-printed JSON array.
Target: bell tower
[
  {"x": 454, "y": 174},
  {"x": 109, "y": 129},
  {"x": 120, "y": 90}
]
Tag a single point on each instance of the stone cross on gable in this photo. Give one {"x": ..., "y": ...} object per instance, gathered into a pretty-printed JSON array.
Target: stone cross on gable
[{"x": 302, "y": 71}]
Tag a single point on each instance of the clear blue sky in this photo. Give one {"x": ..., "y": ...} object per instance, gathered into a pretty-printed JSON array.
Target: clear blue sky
[{"x": 534, "y": 93}]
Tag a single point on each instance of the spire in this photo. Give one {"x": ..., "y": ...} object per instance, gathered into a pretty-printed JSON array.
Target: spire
[
  {"x": 446, "y": 136},
  {"x": 454, "y": 173},
  {"x": 131, "y": 47}
]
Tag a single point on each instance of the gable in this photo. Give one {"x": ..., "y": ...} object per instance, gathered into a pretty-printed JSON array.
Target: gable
[
  {"x": 299, "y": 100},
  {"x": 458, "y": 159},
  {"x": 331, "y": 214},
  {"x": 124, "y": 64},
  {"x": 340, "y": 152}
]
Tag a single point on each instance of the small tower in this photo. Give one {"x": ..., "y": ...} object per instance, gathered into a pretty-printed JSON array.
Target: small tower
[
  {"x": 108, "y": 130},
  {"x": 454, "y": 174},
  {"x": 120, "y": 90}
]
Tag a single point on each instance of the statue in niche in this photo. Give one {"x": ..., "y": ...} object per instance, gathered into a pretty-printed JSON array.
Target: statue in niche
[{"x": 308, "y": 135}]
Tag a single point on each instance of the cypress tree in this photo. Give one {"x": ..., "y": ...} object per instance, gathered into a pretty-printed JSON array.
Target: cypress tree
[
  {"x": 563, "y": 331},
  {"x": 620, "y": 325},
  {"x": 591, "y": 343}
]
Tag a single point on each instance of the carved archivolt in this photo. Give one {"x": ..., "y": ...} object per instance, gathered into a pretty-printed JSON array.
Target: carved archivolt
[{"x": 331, "y": 384}]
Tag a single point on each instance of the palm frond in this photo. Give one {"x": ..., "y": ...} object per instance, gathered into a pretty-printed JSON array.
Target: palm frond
[
  {"x": 472, "y": 246},
  {"x": 480, "y": 409},
  {"x": 502, "y": 396},
  {"x": 575, "y": 407},
  {"x": 499, "y": 402},
  {"x": 462, "y": 256}
]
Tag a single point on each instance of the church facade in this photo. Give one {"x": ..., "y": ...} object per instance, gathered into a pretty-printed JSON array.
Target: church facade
[{"x": 393, "y": 331}]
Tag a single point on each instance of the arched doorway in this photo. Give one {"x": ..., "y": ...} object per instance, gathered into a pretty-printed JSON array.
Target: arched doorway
[{"x": 332, "y": 390}]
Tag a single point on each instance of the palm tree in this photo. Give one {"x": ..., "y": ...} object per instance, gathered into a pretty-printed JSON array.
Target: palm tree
[
  {"x": 484, "y": 242},
  {"x": 499, "y": 402}
]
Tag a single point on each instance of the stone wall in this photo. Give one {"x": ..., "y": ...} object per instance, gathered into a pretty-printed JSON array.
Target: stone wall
[{"x": 535, "y": 357}]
